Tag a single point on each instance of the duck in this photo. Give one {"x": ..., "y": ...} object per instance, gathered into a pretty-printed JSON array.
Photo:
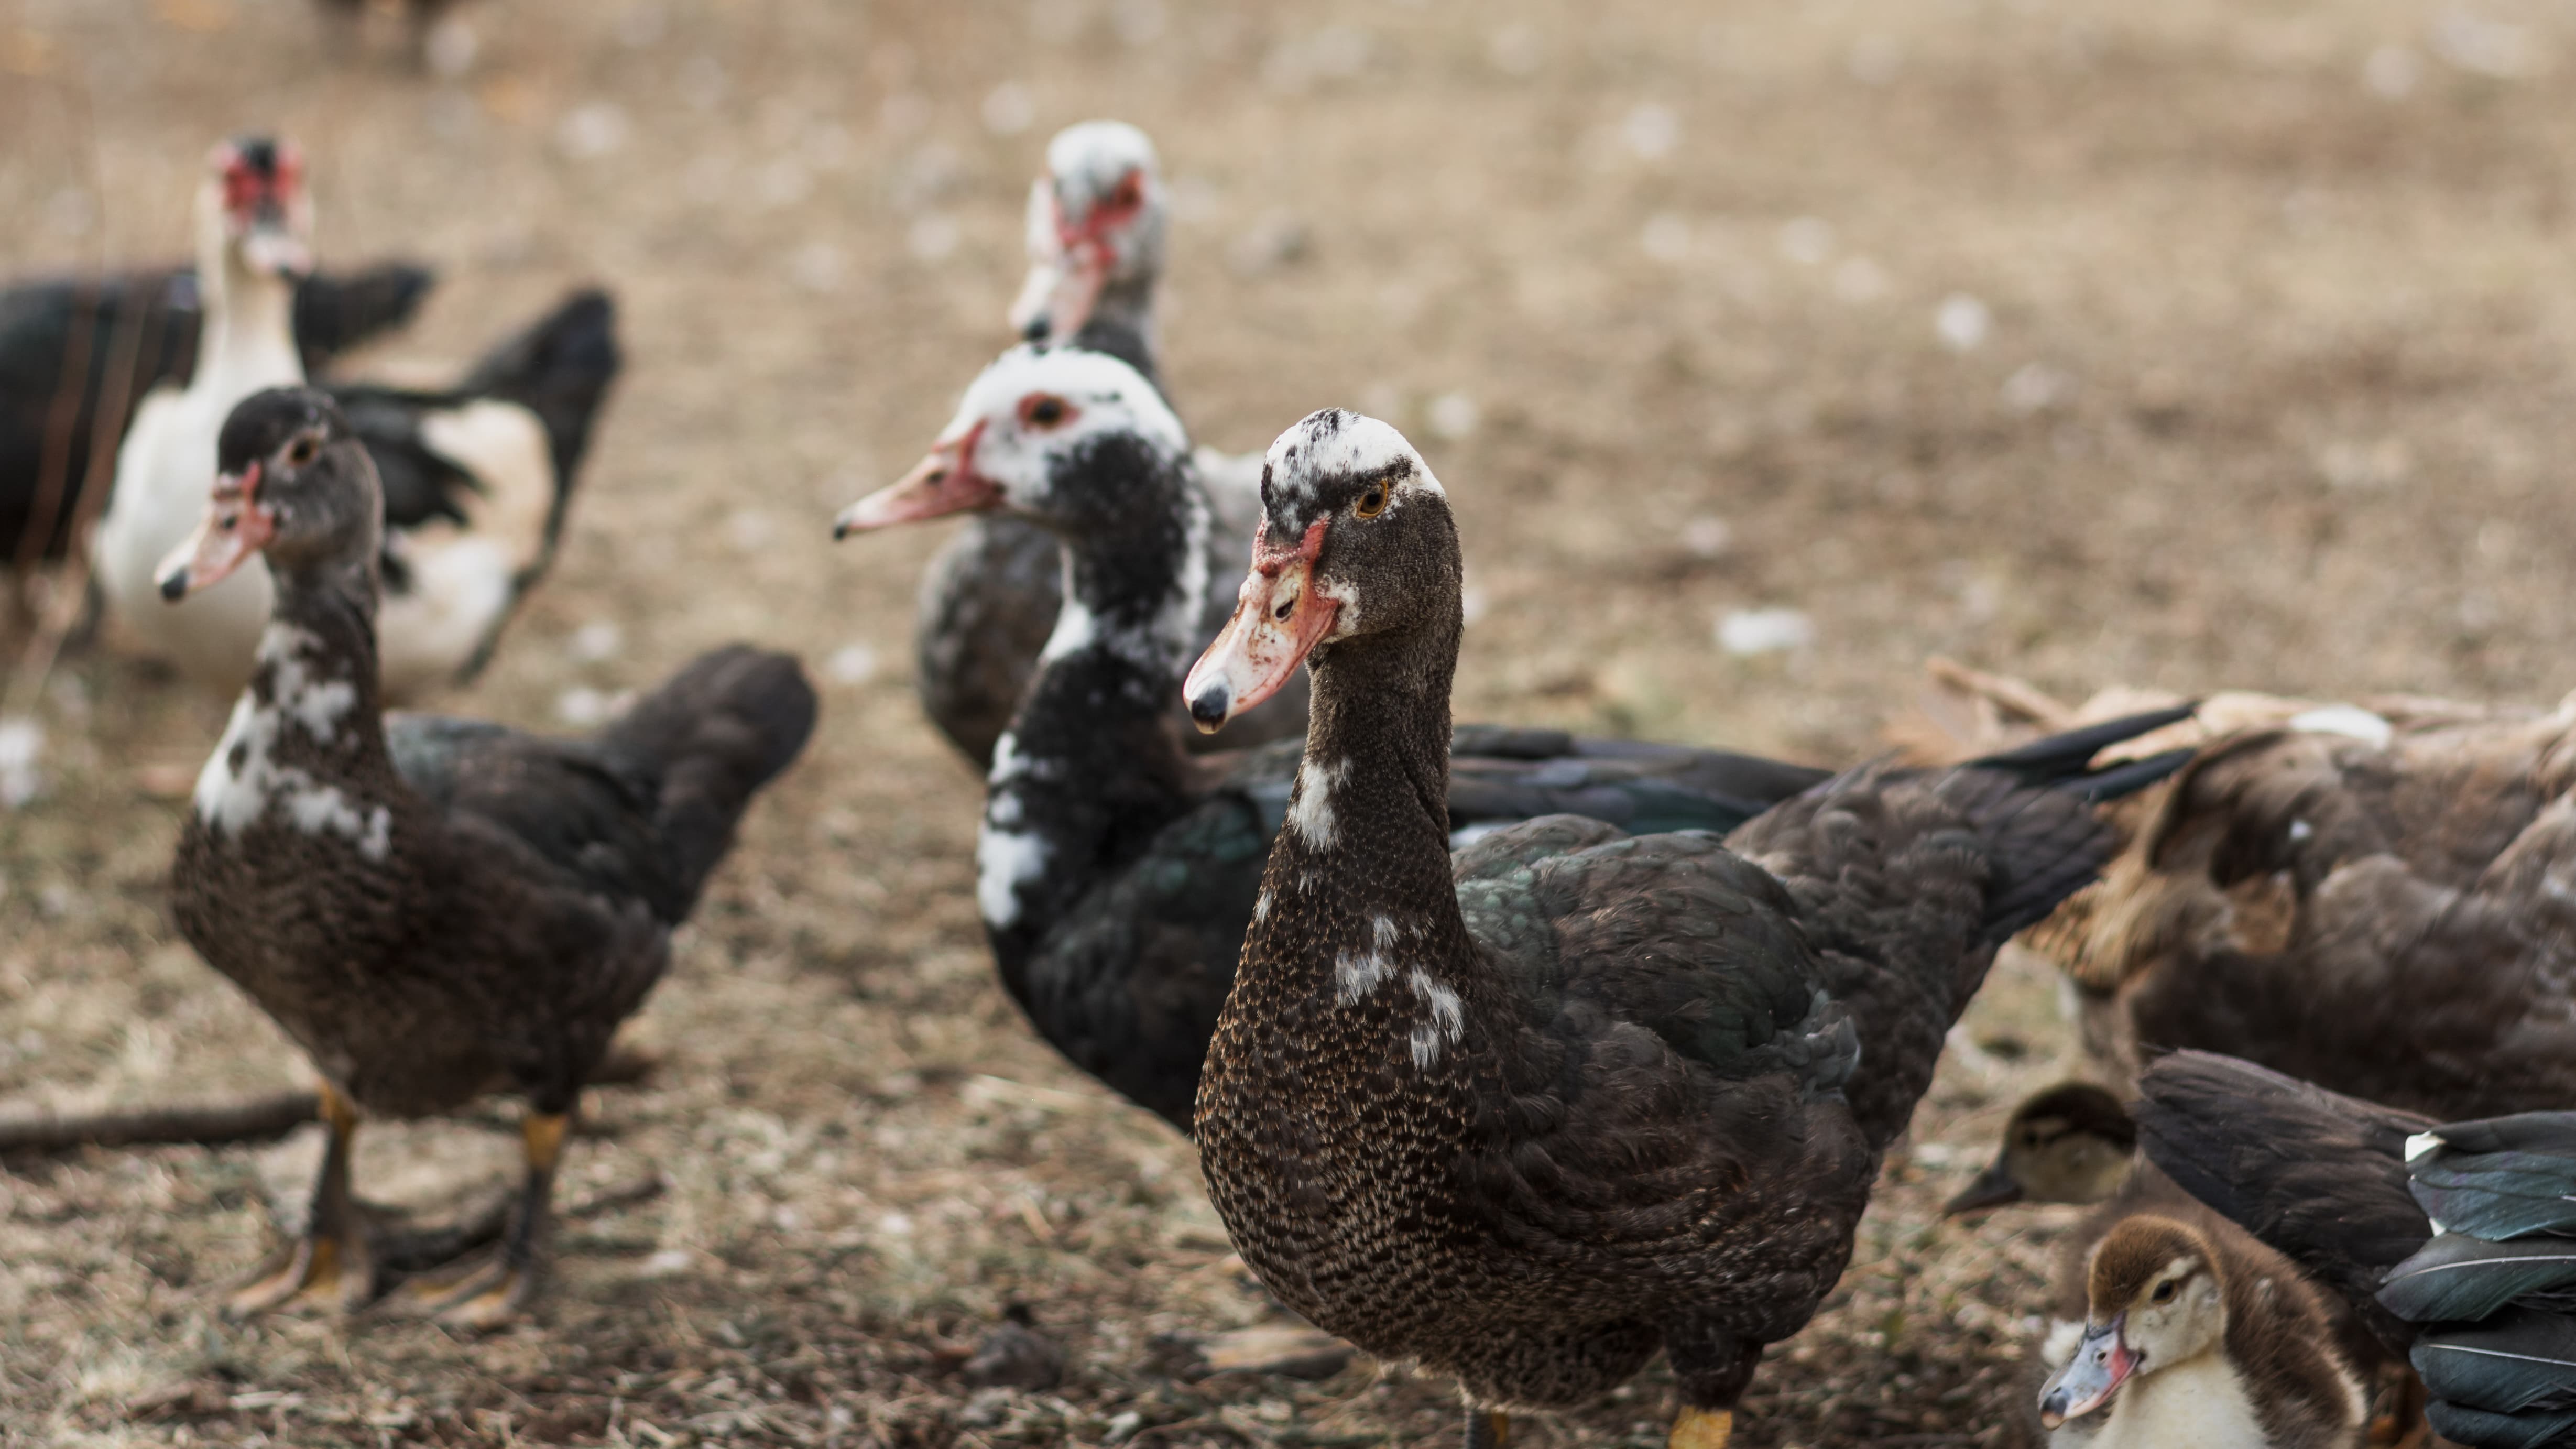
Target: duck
[
  {"x": 76, "y": 353},
  {"x": 433, "y": 907},
  {"x": 2194, "y": 1333},
  {"x": 2367, "y": 895},
  {"x": 1116, "y": 874},
  {"x": 1097, "y": 220},
  {"x": 1529, "y": 1112},
  {"x": 2455, "y": 1242},
  {"x": 477, "y": 476},
  {"x": 2070, "y": 1143}
]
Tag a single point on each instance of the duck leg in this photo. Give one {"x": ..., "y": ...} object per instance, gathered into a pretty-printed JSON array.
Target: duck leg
[
  {"x": 1712, "y": 1368},
  {"x": 490, "y": 1292},
  {"x": 329, "y": 1265},
  {"x": 1487, "y": 1428}
]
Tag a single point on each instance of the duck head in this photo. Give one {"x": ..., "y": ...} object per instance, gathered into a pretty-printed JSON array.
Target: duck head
[
  {"x": 1345, "y": 499},
  {"x": 2071, "y": 1143},
  {"x": 291, "y": 482},
  {"x": 1053, "y": 434},
  {"x": 2154, "y": 1299},
  {"x": 252, "y": 207},
  {"x": 1095, "y": 227}
]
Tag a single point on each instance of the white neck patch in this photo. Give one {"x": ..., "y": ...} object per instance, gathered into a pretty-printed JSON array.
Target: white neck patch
[{"x": 233, "y": 795}]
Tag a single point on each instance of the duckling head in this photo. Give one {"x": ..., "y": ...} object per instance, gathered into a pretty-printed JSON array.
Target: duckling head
[
  {"x": 2072, "y": 1143},
  {"x": 2155, "y": 1299}
]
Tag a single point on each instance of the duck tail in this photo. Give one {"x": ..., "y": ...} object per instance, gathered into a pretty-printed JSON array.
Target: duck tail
[
  {"x": 560, "y": 369},
  {"x": 713, "y": 735},
  {"x": 2035, "y": 804},
  {"x": 336, "y": 311}
]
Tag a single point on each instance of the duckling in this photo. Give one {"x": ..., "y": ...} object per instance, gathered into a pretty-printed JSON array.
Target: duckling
[
  {"x": 2199, "y": 1337},
  {"x": 2071, "y": 1143}
]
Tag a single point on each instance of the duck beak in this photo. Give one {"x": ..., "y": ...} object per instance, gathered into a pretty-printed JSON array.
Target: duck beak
[
  {"x": 1059, "y": 295},
  {"x": 235, "y": 527},
  {"x": 2101, "y": 1364},
  {"x": 270, "y": 245},
  {"x": 1279, "y": 619},
  {"x": 943, "y": 482},
  {"x": 1993, "y": 1188}
]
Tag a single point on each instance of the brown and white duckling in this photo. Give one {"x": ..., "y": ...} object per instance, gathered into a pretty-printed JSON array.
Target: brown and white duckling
[
  {"x": 1096, "y": 223},
  {"x": 2071, "y": 1143},
  {"x": 2197, "y": 1337}
]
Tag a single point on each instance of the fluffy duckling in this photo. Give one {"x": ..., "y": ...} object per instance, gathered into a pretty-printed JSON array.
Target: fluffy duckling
[
  {"x": 2197, "y": 1337},
  {"x": 2071, "y": 1143}
]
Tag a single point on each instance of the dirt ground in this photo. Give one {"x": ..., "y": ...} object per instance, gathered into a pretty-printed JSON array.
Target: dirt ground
[{"x": 2209, "y": 342}]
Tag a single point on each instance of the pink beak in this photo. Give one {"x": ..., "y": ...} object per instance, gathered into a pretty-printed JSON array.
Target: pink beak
[
  {"x": 1278, "y": 621},
  {"x": 943, "y": 482},
  {"x": 235, "y": 527}
]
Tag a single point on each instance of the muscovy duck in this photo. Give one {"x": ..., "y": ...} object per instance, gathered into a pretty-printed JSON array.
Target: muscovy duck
[
  {"x": 2071, "y": 1143},
  {"x": 476, "y": 476},
  {"x": 1096, "y": 222},
  {"x": 2189, "y": 1332},
  {"x": 1117, "y": 874},
  {"x": 1528, "y": 1113},
  {"x": 2455, "y": 1242},
  {"x": 2366, "y": 896},
  {"x": 432, "y": 907},
  {"x": 77, "y": 354}
]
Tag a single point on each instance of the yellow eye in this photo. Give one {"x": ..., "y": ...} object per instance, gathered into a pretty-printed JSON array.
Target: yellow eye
[{"x": 1372, "y": 503}]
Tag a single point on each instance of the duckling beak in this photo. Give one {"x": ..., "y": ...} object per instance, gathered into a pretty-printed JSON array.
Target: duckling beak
[
  {"x": 1279, "y": 619},
  {"x": 2102, "y": 1363},
  {"x": 943, "y": 482},
  {"x": 235, "y": 527},
  {"x": 1993, "y": 1188}
]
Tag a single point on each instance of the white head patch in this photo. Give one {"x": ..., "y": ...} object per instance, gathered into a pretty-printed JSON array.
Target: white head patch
[
  {"x": 1336, "y": 443},
  {"x": 1087, "y": 160},
  {"x": 1103, "y": 396}
]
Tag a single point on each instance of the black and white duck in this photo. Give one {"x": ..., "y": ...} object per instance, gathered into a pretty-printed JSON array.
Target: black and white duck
[
  {"x": 1116, "y": 873},
  {"x": 476, "y": 476},
  {"x": 1528, "y": 1113},
  {"x": 432, "y": 907},
  {"x": 77, "y": 354},
  {"x": 2455, "y": 1242},
  {"x": 1096, "y": 226}
]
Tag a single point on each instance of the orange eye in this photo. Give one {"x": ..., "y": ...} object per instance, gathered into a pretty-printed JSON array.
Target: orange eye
[
  {"x": 303, "y": 451},
  {"x": 1372, "y": 503},
  {"x": 1130, "y": 191},
  {"x": 1044, "y": 410}
]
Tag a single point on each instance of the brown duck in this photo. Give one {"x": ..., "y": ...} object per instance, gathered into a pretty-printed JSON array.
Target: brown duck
[
  {"x": 1529, "y": 1114},
  {"x": 2374, "y": 898},
  {"x": 435, "y": 907}
]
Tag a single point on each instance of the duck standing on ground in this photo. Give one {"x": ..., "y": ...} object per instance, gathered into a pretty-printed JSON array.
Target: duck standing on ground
[
  {"x": 2455, "y": 1242},
  {"x": 476, "y": 477},
  {"x": 1117, "y": 874},
  {"x": 78, "y": 353},
  {"x": 1096, "y": 226},
  {"x": 432, "y": 907},
  {"x": 1530, "y": 1113}
]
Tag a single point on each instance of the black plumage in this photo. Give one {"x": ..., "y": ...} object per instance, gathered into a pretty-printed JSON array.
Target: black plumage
[
  {"x": 2353, "y": 1192},
  {"x": 77, "y": 355},
  {"x": 435, "y": 907},
  {"x": 1118, "y": 874},
  {"x": 1532, "y": 1112}
]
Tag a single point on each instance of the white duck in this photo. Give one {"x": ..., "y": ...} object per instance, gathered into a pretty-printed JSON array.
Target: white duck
[
  {"x": 254, "y": 222},
  {"x": 476, "y": 476}
]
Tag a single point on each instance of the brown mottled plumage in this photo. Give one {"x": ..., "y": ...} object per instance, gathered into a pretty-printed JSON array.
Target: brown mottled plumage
[
  {"x": 429, "y": 907},
  {"x": 1531, "y": 1113},
  {"x": 2371, "y": 898}
]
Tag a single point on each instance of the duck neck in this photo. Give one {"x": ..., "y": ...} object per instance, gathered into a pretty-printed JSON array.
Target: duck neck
[
  {"x": 1090, "y": 770},
  {"x": 1358, "y": 895},
  {"x": 249, "y": 328}
]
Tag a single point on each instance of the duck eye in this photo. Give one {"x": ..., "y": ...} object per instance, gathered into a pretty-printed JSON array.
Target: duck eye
[
  {"x": 2164, "y": 1292},
  {"x": 1372, "y": 503},
  {"x": 303, "y": 451},
  {"x": 1130, "y": 191},
  {"x": 1044, "y": 410}
]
